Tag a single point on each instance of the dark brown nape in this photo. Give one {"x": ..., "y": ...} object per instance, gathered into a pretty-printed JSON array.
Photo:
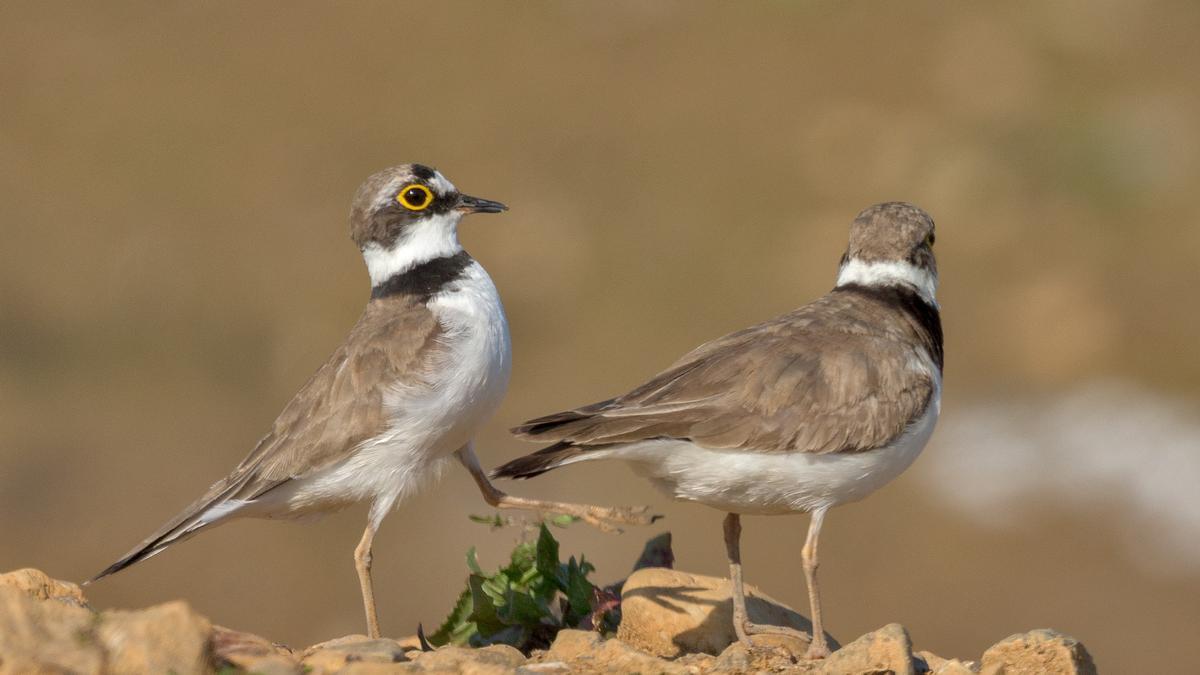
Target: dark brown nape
[{"x": 889, "y": 231}]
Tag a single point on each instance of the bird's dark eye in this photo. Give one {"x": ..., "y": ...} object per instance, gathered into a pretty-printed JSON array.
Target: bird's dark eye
[
  {"x": 930, "y": 239},
  {"x": 415, "y": 197}
]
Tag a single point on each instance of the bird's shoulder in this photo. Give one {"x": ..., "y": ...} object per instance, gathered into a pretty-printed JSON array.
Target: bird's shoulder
[
  {"x": 394, "y": 343},
  {"x": 837, "y": 336}
]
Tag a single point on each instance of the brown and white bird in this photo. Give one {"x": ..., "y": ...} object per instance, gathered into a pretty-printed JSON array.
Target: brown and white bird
[
  {"x": 812, "y": 409},
  {"x": 402, "y": 397}
]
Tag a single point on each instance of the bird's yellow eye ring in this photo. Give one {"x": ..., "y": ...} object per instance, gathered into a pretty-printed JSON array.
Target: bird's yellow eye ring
[{"x": 415, "y": 197}]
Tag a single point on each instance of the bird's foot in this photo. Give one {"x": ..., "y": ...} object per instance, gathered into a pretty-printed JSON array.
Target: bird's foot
[
  {"x": 610, "y": 519},
  {"x": 765, "y": 629},
  {"x": 743, "y": 637},
  {"x": 602, "y": 518},
  {"x": 817, "y": 651},
  {"x": 817, "y": 648}
]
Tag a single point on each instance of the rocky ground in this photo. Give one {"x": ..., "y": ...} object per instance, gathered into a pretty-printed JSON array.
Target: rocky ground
[{"x": 672, "y": 622}]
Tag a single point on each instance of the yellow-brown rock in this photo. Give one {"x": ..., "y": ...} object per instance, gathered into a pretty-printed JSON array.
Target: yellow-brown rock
[
  {"x": 41, "y": 636},
  {"x": 615, "y": 656},
  {"x": 252, "y": 653},
  {"x": 668, "y": 613},
  {"x": 1041, "y": 652},
  {"x": 762, "y": 658},
  {"x": 587, "y": 653},
  {"x": 569, "y": 644},
  {"x": 39, "y": 586},
  {"x": 887, "y": 650},
  {"x": 673, "y": 622},
  {"x": 493, "y": 660},
  {"x": 936, "y": 665},
  {"x": 167, "y": 638},
  {"x": 336, "y": 655}
]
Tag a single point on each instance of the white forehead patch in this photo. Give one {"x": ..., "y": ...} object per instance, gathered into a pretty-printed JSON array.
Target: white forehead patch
[{"x": 440, "y": 185}]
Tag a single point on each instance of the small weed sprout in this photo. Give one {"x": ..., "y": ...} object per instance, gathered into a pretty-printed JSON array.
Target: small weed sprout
[{"x": 526, "y": 603}]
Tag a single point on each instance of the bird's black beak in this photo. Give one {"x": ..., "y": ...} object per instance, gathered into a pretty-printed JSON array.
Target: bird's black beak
[{"x": 469, "y": 204}]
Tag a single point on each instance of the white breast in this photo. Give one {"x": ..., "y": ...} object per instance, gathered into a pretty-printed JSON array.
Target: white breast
[
  {"x": 429, "y": 422},
  {"x": 474, "y": 372}
]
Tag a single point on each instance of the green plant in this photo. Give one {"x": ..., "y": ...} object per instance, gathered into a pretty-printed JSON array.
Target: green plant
[{"x": 527, "y": 602}]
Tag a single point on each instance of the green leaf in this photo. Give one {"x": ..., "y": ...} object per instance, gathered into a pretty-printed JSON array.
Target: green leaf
[
  {"x": 496, "y": 588},
  {"x": 523, "y": 557},
  {"x": 464, "y": 634},
  {"x": 579, "y": 591},
  {"x": 547, "y": 552},
  {"x": 495, "y": 521},
  {"x": 473, "y": 562},
  {"x": 526, "y": 602},
  {"x": 562, "y": 520},
  {"x": 453, "y": 623},
  {"x": 484, "y": 596},
  {"x": 527, "y": 610},
  {"x": 510, "y": 635}
]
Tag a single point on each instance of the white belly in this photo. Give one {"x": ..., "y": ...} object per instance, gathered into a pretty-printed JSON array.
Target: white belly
[
  {"x": 429, "y": 422},
  {"x": 774, "y": 483}
]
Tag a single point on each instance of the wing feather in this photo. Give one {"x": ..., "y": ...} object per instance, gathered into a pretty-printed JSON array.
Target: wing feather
[
  {"x": 342, "y": 405},
  {"x": 395, "y": 342},
  {"x": 838, "y": 375}
]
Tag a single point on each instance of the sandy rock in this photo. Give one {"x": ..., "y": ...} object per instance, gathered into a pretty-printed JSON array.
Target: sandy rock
[
  {"x": 762, "y": 658},
  {"x": 735, "y": 659},
  {"x": 701, "y": 663},
  {"x": 165, "y": 638},
  {"x": 668, "y": 613},
  {"x": 955, "y": 667},
  {"x": 336, "y": 655},
  {"x": 887, "y": 650},
  {"x": 409, "y": 643},
  {"x": 503, "y": 654},
  {"x": 491, "y": 660},
  {"x": 569, "y": 644},
  {"x": 615, "y": 656},
  {"x": 40, "y": 636},
  {"x": 377, "y": 668},
  {"x": 544, "y": 668},
  {"x": 1041, "y": 651},
  {"x": 936, "y": 665},
  {"x": 587, "y": 653},
  {"x": 39, "y": 586},
  {"x": 251, "y": 653},
  {"x": 46, "y": 627}
]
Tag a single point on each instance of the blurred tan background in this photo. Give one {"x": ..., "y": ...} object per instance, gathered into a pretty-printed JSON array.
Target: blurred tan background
[{"x": 174, "y": 263}]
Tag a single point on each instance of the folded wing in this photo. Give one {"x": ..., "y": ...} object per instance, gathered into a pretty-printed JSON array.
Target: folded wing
[{"x": 792, "y": 384}]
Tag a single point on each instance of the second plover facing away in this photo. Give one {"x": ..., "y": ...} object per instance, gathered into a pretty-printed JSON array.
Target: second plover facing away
[
  {"x": 401, "y": 398},
  {"x": 812, "y": 409}
]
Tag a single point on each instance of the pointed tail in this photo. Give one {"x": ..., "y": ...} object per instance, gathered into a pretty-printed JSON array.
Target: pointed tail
[
  {"x": 538, "y": 463},
  {"x": 214, "y": 507}
]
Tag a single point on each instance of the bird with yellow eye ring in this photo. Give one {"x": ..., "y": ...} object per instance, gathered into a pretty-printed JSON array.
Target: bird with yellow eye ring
[{"x": 415, "y": 197}]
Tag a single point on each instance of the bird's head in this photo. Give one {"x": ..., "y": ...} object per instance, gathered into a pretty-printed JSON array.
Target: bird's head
[
  {"x": 891, "y": 244},
  {"x": 409, "y": 214}
]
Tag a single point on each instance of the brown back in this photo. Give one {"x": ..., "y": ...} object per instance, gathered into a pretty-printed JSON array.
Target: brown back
[{"x": 845, "y": 373}]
